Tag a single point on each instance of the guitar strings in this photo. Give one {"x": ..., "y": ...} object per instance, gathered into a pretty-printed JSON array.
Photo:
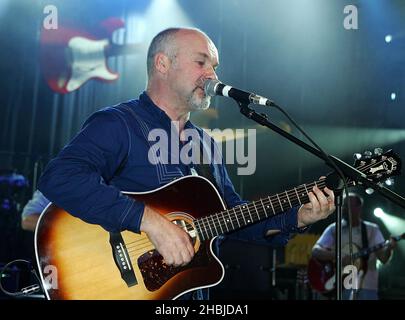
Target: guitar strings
[
  {"x": 238, "y": 215},
  {"x": 244, "y": 209},
  {"x": 320, "y": 184},
  {"x": 276, "y": 208},
  {"x": 216, "y": 218},
  {"x": 255, "y": 211}
]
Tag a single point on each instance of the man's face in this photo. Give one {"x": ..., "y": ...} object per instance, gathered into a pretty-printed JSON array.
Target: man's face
[{"x": 195, "y": 62}]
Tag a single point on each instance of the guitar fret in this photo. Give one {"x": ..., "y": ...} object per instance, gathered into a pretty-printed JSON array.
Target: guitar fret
[
  {"x": 305, "y": 186},
  {"x": 213, "y": 222},
  {"x": 265, "y": 211},
  {"x": 226, "y": 224},
  {"x": 288, "y": 199},
  {"x": 230, "y": 219},
  {"x": 282, "y": 209},
  {"x": 201, "y": 223},
  {"x": 236, "y": 216},
  {"x": 258, "y": 215},
  {"x": 271, "y": 203},
  {"x": 198, "y": 228},
  {"x": 206, "y": 227},
  {"x": 250, "y": 215},
  {"x": 298, "y": 197},
  {"x": 243, "y": 216},
  {"x": 220, "y": 224}
]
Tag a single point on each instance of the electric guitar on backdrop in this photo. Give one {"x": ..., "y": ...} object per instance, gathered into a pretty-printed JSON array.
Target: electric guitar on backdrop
[
  {"x": 70, "y": 57},
  {"x": 92, "y": 263},
  {"x": 321, "y": 274}
]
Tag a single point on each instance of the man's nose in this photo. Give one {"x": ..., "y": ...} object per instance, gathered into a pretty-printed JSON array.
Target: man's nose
[{"x": 211, "y": 74}]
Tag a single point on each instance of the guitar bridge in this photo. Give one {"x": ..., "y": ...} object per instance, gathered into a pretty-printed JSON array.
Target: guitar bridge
[{"x": 122, "y": 260}]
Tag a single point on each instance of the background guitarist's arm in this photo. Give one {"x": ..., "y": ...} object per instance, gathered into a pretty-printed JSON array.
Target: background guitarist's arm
[
  {"x": 323, "y": 248},
  {"x": 323, "y": 254},
  {"x": 385, "y": 253}
]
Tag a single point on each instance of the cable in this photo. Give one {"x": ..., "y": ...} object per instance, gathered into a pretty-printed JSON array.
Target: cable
[{"x": 26, "y": 291}]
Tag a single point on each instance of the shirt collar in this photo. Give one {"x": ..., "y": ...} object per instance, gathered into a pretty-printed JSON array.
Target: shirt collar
[{"x": 155, "y": 111}]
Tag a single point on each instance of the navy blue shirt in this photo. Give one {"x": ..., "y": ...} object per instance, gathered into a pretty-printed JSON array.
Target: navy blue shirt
[{"x": 110, "y": 154}]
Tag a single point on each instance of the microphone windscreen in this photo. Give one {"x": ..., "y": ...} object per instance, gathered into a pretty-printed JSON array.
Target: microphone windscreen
[{"x": 210, "y": 87}]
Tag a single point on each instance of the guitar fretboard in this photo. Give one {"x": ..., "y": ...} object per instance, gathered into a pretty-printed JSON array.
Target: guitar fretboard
[
  {"x": 207, "y": 227},
  {"x": 246, "y": 214}
]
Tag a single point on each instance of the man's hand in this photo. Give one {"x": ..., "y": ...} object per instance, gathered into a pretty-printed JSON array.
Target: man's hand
[
  {"x": 170, "y": 241},
  {"x": 393, "y": 243},
  {"x": 319, "y": 207}
]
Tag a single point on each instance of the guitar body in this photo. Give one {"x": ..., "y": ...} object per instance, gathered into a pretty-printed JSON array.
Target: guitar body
[
  {"x": 321, "y": 274},
  {"x": 78, "y": 260}
]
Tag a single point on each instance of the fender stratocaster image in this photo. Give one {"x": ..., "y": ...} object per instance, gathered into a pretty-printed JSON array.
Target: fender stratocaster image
[
  {"x": 70, "y": 57},
  {"x": 87, "y": 262}
]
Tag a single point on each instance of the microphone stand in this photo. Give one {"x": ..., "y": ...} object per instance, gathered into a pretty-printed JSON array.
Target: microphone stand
[{"x": 333, "y": 181}]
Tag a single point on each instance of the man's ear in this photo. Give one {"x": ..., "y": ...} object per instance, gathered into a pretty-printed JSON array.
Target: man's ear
[{"x": 162, "y": 63}]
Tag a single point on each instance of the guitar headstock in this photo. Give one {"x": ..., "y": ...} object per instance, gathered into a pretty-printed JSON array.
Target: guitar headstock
[{"x": 379, "y": 166}]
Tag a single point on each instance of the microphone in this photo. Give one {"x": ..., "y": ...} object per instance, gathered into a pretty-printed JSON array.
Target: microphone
[{"x": 214, "y": 87}]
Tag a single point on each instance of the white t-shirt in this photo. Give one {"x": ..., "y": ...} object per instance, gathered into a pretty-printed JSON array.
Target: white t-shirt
[
  {"x": 36, "y": 205},
  {"x": 327, "y": 240}
]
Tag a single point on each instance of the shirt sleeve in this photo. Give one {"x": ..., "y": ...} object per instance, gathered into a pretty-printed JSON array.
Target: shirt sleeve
[
  {"x": 77, "y": 179},
  {"x": 327, "y": 239},
  {"x": 377, "y": 237},
  {"x": 36, "y": 205}
]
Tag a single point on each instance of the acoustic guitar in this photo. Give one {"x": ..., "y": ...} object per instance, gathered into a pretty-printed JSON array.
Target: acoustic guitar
[{"x": 87, "y": 262}]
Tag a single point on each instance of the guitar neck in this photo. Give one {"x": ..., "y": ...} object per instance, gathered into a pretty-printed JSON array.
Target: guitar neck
[
  {"x": 367, "y": 251},
  {"x": 375, "y": 168},
  {"x": 247, "y": 214}
]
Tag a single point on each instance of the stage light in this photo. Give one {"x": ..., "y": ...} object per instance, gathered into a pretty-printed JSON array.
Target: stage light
[
  {"x": 389, "y": 182},
  {"x": 393, "y": 96},
  {"x": 388, "y": 38},
  {"x": 394, "y": 224},
  {"x": 378, "y": 212}
]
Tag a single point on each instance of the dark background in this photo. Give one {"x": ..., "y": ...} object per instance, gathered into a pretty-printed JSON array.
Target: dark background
[{"x": 335, "y": 83}]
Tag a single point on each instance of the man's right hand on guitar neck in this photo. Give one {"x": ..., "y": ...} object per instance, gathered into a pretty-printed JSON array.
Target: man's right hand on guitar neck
[{"x": 173, "y": 243}]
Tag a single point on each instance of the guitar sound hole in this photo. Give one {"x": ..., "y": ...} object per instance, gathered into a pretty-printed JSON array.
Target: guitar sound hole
[{"x": 187, "y": 227}]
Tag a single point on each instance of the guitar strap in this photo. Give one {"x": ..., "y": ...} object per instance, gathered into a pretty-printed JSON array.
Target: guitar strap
[{"x": 364, "y": 240}]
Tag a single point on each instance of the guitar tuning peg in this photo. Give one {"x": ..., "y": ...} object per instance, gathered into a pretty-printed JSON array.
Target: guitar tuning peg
[
  {"x": 378, "y": 151},
  {"x": 367, "y": 154},
  {"x": 357, "y": 156},
  {"x": 369, "y": 191},
  {"x": 389, "y": 181}
]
